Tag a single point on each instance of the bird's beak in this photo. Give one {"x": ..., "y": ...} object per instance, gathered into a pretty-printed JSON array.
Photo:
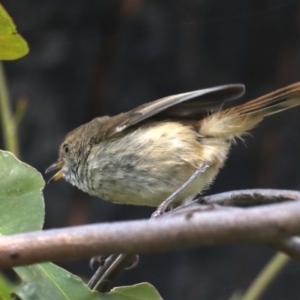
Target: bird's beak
[{"x": 55, "y": 166}]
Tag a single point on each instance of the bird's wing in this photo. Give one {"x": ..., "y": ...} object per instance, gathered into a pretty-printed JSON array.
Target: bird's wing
[{"x": 191, "y": 105}]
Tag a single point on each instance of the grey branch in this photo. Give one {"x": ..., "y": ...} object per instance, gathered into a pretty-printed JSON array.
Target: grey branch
[
  {"x": 102, "y": 280},
  {"x": 186, "y": 227},
  {"x": 290, "y": 246}
]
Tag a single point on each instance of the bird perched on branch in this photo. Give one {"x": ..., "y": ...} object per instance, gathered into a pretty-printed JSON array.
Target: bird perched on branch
[{"x": 171, "y": 148}]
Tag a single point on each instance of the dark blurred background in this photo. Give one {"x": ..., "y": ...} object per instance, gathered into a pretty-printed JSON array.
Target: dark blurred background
[{"x": 90, "y": 58}]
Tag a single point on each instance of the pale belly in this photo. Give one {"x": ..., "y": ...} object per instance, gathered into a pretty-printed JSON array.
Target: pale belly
[
  {"x": 148, "y": 165},
  {"x": 151, "y": 190}
]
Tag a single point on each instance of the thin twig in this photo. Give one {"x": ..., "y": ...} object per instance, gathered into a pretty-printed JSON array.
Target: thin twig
[
  {"x": 290, "y": 246},
  {"x": 266, "y": 276},
  {"x": 9, "y": 127}
]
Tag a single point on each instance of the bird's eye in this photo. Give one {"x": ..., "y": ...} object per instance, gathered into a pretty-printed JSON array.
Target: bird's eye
[{"x": 66, "y": 148}]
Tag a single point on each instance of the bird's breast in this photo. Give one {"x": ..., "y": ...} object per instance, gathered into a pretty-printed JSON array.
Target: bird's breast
[{"x": 145, "y": 165}]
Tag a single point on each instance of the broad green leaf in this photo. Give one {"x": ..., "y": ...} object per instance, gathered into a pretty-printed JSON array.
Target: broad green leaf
[
  {"x": 5, "y": 288},
  {"x": 141, "y": 291},
  {"x": 21, "y": 201},
  {"x": 22, "y": 210},
  {"x": 47, "y": 281},
  {"x": 12, "y": 45}
]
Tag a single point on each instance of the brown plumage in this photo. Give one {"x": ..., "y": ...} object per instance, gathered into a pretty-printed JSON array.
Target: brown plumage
[
  {"x": 236, "y": 121},
  {"x": 142, "y": 156}
]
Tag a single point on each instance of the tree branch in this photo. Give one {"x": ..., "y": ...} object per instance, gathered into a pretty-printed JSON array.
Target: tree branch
[
  {"x": 290, "y": 246},
  {"x": 251, "y": 197},
  {"x": 102, "y": 279},
  {"x": 187, "y": 227}
]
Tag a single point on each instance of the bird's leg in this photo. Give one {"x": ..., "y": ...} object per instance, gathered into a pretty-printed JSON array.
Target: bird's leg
[
  {"x": 105, "y": 275},
  {"x": 164, "y": 205}
]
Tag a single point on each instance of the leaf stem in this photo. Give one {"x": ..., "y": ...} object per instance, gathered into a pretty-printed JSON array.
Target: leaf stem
[
  {"x": 266, "y": 276},
  {"x": 9, "y": 127}
]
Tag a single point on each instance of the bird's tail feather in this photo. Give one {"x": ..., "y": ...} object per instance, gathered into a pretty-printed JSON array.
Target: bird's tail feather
[{"x": 236, "y": 121}]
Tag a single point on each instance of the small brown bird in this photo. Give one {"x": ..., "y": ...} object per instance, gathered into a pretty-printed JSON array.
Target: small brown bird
[{"x": 174, "y": 145}]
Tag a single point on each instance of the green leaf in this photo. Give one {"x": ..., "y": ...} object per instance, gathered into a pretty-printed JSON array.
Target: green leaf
[
  {"x": 5, "y": 288},
  {"x": 21, "y": 201},
  {"x": 22, "y": 210},
  {"x": 47, "y": 281},
  {"x": 12, "y": 45},
  {"x": 141, "y": 291}
]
